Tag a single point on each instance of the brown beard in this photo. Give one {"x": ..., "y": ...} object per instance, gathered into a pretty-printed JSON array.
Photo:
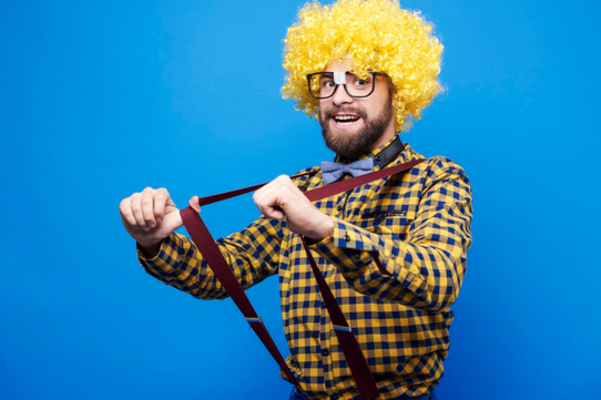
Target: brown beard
[{"x": 355, "y": 145}]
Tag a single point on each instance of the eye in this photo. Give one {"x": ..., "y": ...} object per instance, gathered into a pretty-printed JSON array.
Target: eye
[
  {"x": 327, "y": 83},
  {"x": 360, "y": 83}
]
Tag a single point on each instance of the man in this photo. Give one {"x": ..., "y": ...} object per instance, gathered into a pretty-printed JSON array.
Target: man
[{"x": 393, "y": 251}]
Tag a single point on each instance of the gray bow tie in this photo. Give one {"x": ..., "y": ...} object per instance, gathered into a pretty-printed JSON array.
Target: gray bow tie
[{"x": 333, "y": 171}]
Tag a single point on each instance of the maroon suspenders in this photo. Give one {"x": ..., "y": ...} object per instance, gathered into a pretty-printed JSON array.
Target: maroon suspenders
[{"x": 212, "y": 255}]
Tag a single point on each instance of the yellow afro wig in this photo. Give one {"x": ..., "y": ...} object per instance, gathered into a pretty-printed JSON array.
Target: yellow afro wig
[{"x": 378, "y": 36}]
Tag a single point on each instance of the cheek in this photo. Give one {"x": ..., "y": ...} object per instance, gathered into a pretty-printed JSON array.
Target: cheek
[{"x": 323, "y": 107}]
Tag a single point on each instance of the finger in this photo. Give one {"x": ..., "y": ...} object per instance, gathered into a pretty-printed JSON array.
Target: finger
[
  {"x": 269, "y": 203},
  {"x": 271, "y": 211},
  {"x": 269, "y": 192},
  {"x": 273, "y": 186},
  {"x": 195, "y": 204},
  {"x": 126, "y": 213},
  {"x": 284, "y": 191},
  {"x": 147, "y": 205},
  {"x": 161, "y": 199},
  {"x": 277, "y": 212},
  {"x": 136, "y": 209}
]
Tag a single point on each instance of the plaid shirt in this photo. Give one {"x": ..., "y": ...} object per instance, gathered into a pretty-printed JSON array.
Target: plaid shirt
[{"x": 415, "y": 224}]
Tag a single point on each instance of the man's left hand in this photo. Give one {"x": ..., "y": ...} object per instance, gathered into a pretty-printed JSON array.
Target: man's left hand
[{"x": 281, "y": 199}]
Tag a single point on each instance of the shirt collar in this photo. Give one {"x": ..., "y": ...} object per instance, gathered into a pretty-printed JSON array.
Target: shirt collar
[{"x": 383, "y": 155}]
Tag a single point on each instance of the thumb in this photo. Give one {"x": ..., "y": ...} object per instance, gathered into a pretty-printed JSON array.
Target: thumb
[
  {"x": 171, "y": 222},
  {"x": 195, "y": 204}
]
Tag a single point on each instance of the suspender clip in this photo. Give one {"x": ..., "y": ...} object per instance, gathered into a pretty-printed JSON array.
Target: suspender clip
[{"x": 342, "y": 328}]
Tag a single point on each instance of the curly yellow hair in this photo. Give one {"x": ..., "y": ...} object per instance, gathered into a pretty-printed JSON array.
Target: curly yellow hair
[{"x": 378, "y": 36}]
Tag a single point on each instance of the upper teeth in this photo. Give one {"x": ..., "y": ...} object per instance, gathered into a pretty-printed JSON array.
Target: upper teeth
[{"x": 345, "y": 117}]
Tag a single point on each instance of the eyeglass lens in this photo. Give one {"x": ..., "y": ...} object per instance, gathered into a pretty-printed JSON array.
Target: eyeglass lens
[{"x": 323, "y": 85}]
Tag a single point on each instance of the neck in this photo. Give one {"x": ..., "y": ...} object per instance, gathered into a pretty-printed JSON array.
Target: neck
[{"x": 387, "y": 136}]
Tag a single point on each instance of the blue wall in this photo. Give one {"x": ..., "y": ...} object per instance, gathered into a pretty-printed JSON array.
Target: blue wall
[{"x": 99, "y": 99}]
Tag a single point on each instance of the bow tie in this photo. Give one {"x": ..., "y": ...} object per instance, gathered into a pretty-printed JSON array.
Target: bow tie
[{"x": 333, "y": 171}]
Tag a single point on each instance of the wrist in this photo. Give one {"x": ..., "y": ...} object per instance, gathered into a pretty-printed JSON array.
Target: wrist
[
  {"x": 150, "y": 249},
  {"x": 323, "y": 229}
]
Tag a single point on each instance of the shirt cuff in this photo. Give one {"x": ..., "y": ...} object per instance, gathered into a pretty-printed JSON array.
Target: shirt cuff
[{"x": 167, "y": 260}]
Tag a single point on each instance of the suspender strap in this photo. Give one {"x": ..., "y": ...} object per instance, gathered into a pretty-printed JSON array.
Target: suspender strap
[
  {"x": 348, "y": 343},
  {"x": 214, "y": 258},
  {"x": 352, "y": 183},
  {"x": 208, "y": 248},
  {"x": 215, "y": 198}
]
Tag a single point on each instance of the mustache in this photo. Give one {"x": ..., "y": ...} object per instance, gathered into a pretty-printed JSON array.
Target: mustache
[{"x": 330, "y": 112}]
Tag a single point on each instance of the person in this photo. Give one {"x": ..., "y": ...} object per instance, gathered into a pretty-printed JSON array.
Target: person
[{"x": 393, "y": 251}]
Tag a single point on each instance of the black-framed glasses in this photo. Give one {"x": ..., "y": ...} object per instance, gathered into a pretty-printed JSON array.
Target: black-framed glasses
[{"x": 323, "y": 85}]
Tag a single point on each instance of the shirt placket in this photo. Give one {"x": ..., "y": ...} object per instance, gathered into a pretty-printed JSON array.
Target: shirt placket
[{"x": 327, "y": 335}]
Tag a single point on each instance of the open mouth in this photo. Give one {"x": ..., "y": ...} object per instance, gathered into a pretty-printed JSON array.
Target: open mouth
[{"x": 346, "y": 119}]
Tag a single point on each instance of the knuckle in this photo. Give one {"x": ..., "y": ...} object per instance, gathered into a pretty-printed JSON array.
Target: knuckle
[
  {"x": 283, "y": 178},
  {"x": 126, "y": 213}
]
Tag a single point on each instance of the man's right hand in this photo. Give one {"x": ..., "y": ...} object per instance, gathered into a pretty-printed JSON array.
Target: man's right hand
[{"x": 149, "y": 217}]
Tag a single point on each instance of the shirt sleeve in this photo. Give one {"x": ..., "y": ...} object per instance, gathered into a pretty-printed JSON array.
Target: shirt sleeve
[
  {"x": 425, "y": 270},
  {"x": 251, "y": 253}
]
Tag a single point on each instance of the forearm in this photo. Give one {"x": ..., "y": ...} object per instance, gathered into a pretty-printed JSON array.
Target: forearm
[
  {"x": 422, "y": 275},
  {"x": 417, "y": 259},
  {"x": 178, "y": 263},
  {"x": 252, "y": 255}
]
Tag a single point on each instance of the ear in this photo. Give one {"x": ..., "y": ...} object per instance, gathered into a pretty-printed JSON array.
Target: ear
[{"x": 391, "y": 87}]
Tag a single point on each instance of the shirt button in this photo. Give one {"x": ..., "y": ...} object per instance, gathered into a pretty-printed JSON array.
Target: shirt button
[
  {"x": 339, "y": 208},
  {"x": 347, "y": 238},
  {"x": 380, "y": 218},
  {"x": 326, "y": 352},
  {"x": 357, "y": 254}
]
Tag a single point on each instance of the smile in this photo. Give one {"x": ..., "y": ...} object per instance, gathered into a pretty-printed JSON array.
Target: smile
[{"x": 346, "y": 119}]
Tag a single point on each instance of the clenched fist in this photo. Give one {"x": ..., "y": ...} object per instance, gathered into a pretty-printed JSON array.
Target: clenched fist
[
  {"x": 151, "y": 216},
  {"x": 281, "y": 199}
]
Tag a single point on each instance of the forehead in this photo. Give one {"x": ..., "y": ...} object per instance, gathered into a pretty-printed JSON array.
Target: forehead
[{"x": 339, "y": 66}]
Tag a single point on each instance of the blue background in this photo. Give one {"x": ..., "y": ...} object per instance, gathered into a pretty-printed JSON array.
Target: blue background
[{"x": 99, "y": 99}]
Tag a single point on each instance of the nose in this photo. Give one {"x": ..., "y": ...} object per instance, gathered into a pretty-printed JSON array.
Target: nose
[{"x": 341, "y": 96}]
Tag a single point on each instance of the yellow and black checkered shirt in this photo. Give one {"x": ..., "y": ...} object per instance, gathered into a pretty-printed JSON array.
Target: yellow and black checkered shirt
[{"x": 416, "y": 223}]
